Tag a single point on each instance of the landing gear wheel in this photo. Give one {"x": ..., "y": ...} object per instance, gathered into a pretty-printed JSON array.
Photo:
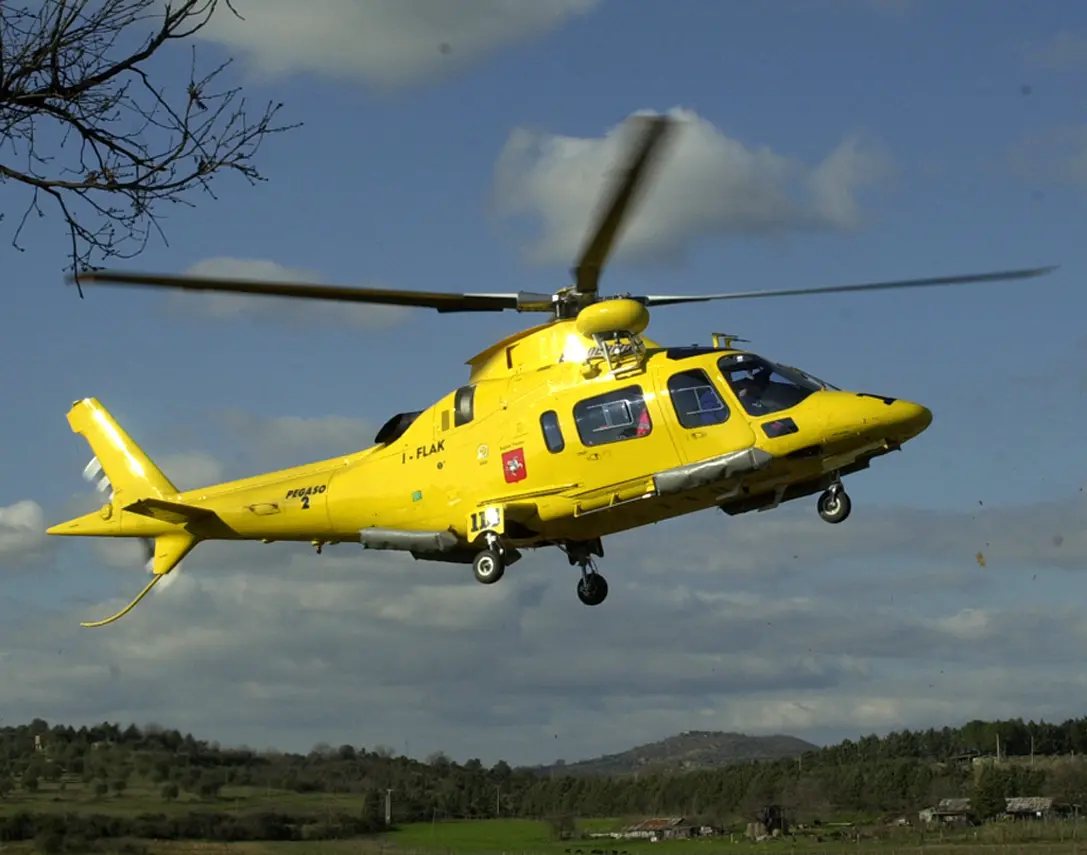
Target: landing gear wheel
[
  {"x": 592, "y": 589},
  {"x": 488, "y": 567},
  {"x": 834, "y": 506}
]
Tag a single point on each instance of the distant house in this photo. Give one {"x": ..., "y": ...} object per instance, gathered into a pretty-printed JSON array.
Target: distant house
[
  {"x": 660, "y": 828},
  {"x": 952, "y": 812},
  {"x": 965, "y": 758},
  {"x": 958, "y": 811},
  {"x": 1033, "y": 807}
]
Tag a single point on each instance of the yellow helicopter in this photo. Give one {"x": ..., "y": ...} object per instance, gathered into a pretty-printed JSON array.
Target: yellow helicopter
[{"x": 564, "y": 433}]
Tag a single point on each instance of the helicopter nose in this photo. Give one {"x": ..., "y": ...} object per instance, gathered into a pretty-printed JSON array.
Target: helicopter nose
[{"x": 909, "y": 419}]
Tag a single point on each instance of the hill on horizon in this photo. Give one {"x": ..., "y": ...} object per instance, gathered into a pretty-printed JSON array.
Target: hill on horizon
[{"x": 692, "y": 749}]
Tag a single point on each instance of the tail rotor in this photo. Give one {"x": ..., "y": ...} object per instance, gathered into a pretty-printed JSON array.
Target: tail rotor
[{"x": 93, "y": 473}]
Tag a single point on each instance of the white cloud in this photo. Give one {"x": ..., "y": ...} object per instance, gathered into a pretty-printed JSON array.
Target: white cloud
[
  {"x": 281, "y": 309},
  {"x": 22, "y": 529},
  {"x": 708, "y": 184},
  {"x": 388, "y": 43},
  {"x": 762, "y": 623}
]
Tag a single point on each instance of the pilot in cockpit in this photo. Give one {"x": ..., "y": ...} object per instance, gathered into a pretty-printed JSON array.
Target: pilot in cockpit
[{"x": 751, "y": 389}]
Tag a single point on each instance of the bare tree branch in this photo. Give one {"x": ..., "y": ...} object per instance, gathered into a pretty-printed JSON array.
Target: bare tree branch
[{"x": 84, "y": 124}]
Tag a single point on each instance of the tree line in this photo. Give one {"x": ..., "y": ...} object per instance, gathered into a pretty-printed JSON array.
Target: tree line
[{"x": 900, "y": 772}]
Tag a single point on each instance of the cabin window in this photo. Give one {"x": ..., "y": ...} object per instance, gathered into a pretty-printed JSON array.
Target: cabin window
[
  {"x": 445, "y": 419},
  {"x": 764, "y": 387},
  {"x": 613, "y": 416},
  {"x": 463, "y": 405},
  {"x": 695, "y": 400},
  {"x": 552, "y": 432}
]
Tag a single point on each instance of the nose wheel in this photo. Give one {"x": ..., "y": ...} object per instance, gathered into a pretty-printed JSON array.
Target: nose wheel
[
  {"x": 834, "y": 505},
  {"x": 491, "y": 562},
  {"x": 488, "y": 566}
]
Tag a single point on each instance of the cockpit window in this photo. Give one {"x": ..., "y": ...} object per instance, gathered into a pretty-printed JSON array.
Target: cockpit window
[
  {"x": 765, "y": 387},
  {"x": 822, "y": 384}
]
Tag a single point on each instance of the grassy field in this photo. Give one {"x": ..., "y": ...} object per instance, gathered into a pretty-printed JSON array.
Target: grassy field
[{"x": 505, "y": 836}]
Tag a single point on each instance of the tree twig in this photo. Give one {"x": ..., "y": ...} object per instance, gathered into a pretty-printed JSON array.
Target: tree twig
[{"x": 84, "y": 122}]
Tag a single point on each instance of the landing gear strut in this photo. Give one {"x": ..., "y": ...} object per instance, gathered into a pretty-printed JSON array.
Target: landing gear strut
[
  {"x": 834, "y": 505},
  {"x": 592, "y": 587}
]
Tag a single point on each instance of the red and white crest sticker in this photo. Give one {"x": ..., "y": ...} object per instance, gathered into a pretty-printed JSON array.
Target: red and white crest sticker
[{"x": 513, "y": 465}]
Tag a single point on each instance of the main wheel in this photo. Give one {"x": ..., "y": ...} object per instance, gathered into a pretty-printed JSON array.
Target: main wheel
[
  {"x": 834, "y": 506},
  {"x": 488, "y": 567},
  {"x": 592, "y": 590}
]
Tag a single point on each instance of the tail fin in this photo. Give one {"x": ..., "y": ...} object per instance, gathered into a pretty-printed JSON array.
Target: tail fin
[
  {"x": 140, "y": 498},
  {"x": 128, "y": 472}
]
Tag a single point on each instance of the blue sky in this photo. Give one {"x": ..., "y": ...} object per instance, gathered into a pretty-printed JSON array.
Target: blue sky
[{"x": 918, "y": 138}]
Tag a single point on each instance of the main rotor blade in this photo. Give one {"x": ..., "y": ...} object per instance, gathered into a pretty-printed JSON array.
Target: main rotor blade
[
  {"x": 439, "y": 300},
  {"x": 998, "y": 276},
  {"x": 651, "y": 132}
]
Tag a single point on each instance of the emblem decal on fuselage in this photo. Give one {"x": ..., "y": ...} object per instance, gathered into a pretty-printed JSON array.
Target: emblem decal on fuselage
[{"x": 513, "y": 465}]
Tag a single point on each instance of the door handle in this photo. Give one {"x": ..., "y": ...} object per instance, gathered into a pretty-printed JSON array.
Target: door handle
[{"x": 697, "y": 434}]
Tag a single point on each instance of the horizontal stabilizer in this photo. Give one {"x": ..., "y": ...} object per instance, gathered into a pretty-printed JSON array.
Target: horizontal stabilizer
[{"x": 170, "y": 512}]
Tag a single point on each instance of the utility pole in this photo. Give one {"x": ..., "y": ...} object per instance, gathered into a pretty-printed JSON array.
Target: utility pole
[
  {"x": 388, "y": 806},
  {"x": 498, "y": 800}
]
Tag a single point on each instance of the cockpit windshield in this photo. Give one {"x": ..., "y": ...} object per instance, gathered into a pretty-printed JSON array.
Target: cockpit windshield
[
  {"x": 765, "y": 387},
  {"x": 822, "y": 384}
]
